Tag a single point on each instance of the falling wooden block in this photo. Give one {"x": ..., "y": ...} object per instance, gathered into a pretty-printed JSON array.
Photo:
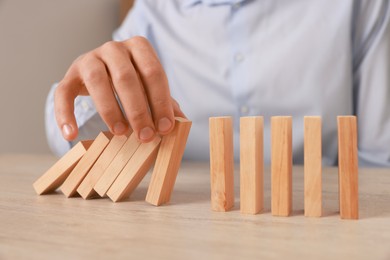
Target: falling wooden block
[
  {"x": 69, "y": 187},
  {"x": 348, "y": 167},
  {"x": 86, "y": 187},
  {"x": 117, "y": 164},
  {"x": 251, "y": 164},
  {"x": 281, "y": 165},
  {"x": 134, "y": 171},
  {"x": 57, "y": 174},
  {"x": 167, "y": 163},
  {"x": 221, "y": 163},
  {"x": 313, "y": 166}
]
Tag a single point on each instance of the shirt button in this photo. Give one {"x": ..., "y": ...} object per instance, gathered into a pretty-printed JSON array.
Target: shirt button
[
  {"x": 85, "y": 105},
  {"x": 244, "y": 110},
  {"x": 239, "y": 57}
]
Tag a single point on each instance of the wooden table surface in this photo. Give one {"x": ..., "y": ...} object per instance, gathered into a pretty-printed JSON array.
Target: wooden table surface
[{"x": 52, "y": 226}]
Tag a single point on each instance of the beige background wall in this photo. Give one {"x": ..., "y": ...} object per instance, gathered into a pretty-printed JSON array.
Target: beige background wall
[{"x": 38, "y": 41}]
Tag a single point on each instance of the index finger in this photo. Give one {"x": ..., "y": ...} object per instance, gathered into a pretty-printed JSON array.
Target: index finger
[{"x": 64, "y": 97}]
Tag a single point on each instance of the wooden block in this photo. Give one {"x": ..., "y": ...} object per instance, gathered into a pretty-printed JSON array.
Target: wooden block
[
  {"x": 221, "y": 163},
  {"x": 69, "y": 187},
  {"x": 57, "y": 174},
  {"x": 251, "y": 164},
  {"x": 117, "y": 164},
  {"x": 168, "y": 162},
  {"x": 348, "y": 167},
  {"x": 86, "y": 187},
  {"x": 281, "y": 165},
  {"x": 313, "y": 166},
  {"x": 134, "y": 171}
]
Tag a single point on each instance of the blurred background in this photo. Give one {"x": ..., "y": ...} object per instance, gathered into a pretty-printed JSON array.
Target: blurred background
[{"x": 38, "y": 41}]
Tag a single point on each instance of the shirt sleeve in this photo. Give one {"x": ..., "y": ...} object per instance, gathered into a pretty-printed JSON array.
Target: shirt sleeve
[{"x": 371, "y": 64}]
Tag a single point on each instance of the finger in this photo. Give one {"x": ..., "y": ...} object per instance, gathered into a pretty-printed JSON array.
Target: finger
[
  {"x": 66, "y": 92},
  {"x": 129, "y": 89},
  {"x": 155, "y": 83},
  {"x": 96, "y": 80}
]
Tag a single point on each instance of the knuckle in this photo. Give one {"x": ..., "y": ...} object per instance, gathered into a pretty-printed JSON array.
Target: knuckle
[
  {"x": 84, "y": 59},
  {"x": 60, "y": 113},
  {"x": 122, "y": 75},
  {"x": 138, "y": 117},
  {"x": 152, "y": 71},
  {"x": 92, "y": 75},
  {"x": 108, "y": 113},
  {"x": 161, "y": 103},
  {"x": 61, "y": 91},
  {"x": 138, "y": 41},
  {"x": 79, "y": 59},
  {"x": 110, "y": 45}
]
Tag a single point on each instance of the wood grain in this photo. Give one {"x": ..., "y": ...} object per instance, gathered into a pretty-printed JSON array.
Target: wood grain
[
  {"x": 57, "y": 174},
  {"x": 313, "y": 166},
  {"x": 281, "y": 165},
  {"x": 251, "y": 164},
  {"x": 69, "y": 187},
  {"x": 86, "y": 187},
  {"x": 47, "y": 227},
  {"x": 134, "y": 171},
  {"x": 221, "y": 163},
  {"x": 348, "y": 167},
  {"x": 167, "y": 163},
  {"x": 113, "y": 170}
]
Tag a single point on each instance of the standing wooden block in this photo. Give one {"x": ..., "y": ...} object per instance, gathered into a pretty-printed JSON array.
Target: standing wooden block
[
  {"x": 134, "y": 171},
  {"x": 281, "y": 165},
  {"x": 221, "y": 163},
  {"x": 86, "y": 187},
  {"x": 348, "y": 167},
  {"x": 168, "y": 162},
  {"x": 69, "y": 187},
  {"x": 313, "y": 166},
  {"x": 117, "y": 164},
  {"x": 57, "y": 174},
  {"x": 251, "y": 164}
]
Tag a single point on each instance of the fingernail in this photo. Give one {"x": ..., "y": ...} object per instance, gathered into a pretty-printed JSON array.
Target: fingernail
[
  {"x": 164, "y": 124},
  {"x": 67, "y": 130},
  {"x": 146, "y": 133},
  {"x": 119, "y": 128}
]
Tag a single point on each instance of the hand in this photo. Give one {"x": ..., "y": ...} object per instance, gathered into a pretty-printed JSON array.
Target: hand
[{"x": 131, "y": 70}]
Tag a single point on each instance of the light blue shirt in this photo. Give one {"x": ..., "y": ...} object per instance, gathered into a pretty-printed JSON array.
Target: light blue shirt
[{"x": 266, "y": 57}]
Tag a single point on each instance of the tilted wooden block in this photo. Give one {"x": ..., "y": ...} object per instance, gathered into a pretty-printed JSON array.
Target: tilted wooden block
[
  {"x": 134, "y": 171},
  {"x": 86, "y": 187},
  {"x": 167, "y": 163},
  {"x": 313, "y": 166},
  {"x": 348, "y": 167},
  {"x": 221, "y": 163},
  {"x": 57, "y": 174},
  {"x": 69, "y": 187},
  {"x": 251, "y": 164},
  {"x": 281, "y": 165},
  {"x": 117, "y": 164}
]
